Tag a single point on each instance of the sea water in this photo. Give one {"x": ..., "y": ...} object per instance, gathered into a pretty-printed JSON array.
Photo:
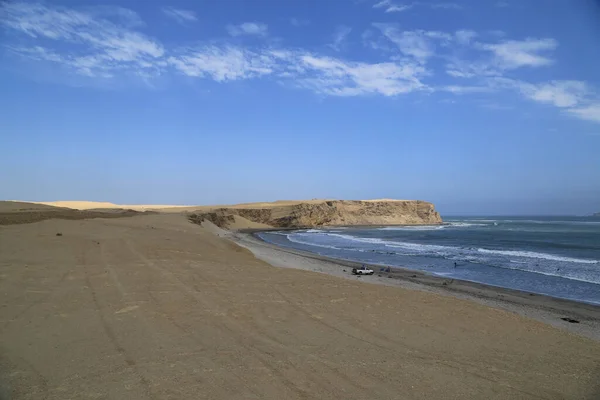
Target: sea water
[{"x": 556, "y": 256}]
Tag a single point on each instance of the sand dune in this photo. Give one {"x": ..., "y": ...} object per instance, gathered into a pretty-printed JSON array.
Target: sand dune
[
  {"x": 20, "y": 206},
  {"x": 88, "y": 205},
  {"x": 23, "y": 213}
]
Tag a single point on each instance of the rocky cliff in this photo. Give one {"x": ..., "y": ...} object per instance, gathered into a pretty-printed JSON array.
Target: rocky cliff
[{"x": 328, "y": 213}]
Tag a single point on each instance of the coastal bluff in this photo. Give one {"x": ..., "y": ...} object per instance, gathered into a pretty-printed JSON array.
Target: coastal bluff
[
  {"x": 316, "y": 213},
  {"x": 264, "y": 215}
]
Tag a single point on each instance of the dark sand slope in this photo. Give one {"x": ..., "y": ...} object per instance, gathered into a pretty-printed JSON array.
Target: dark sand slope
[
  {"x": 154, "y": 307},
  {"x": 14, "y": 212}
]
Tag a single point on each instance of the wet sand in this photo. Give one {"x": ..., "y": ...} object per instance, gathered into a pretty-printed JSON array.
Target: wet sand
[{"x": 550, "y": 310}]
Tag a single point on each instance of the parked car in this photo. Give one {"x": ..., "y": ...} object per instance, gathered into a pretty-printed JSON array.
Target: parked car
[{"x": 362, "y": 271}]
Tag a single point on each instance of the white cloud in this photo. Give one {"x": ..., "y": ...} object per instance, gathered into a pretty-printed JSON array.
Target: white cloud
[
  {"x": 324, "y": 75},
  {"x": 420, "y": 44},
  {"x": 223, "y": 64},
  {"x": 501, "y": 4},
  {"x": 459, "y": 72},
  {"x": 589, "y": 113},
  {"x": 339, "y": 36},
  {"x": 511, "y": 54},
  {"x": 499, "y": 57},
  {"x": 471, "y": 69},
  {"x": 575, "y": 98},
  {"x": 458, "y": 89},
  {"x": 90, "y": 36},
  {"x": 416, "y": 44},
  {"x": 181, "y": 16},
  {"x": 102, "y": 42},
  {"x": 446, "y": 6},
  {"x": 389, "y": 7},
  {"x": 248, "y": 28},
  {"x": 335, "y": 77},
  {"x": 557, "y": 93},
  {"x": 95, "y": 46}
]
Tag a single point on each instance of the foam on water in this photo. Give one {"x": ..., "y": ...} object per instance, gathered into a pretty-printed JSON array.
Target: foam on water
[
  {"x": 545, "y": 255},
  {"x": 532, "y": 254},
  {"x": 466, "y": 224},
  {"x": 295, "y": 239},
  {"x": 412, "y": 228},
  {"x": 547, "y": 264},
  {"x": 431, "y": 227},
  {"x": 419, "y": 247}
]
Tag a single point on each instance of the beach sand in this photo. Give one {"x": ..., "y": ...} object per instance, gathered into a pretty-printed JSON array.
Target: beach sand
[{"x": 155, "y": 307}]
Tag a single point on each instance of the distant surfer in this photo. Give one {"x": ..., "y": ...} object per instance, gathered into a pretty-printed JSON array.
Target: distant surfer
[{"x": 455, "y": 264}]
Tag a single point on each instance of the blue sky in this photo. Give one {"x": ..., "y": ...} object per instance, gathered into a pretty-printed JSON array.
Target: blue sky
[{"x": 482, "y": 107}]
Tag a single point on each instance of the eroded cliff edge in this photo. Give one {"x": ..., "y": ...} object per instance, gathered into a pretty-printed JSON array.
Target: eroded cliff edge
[{"x": 323, "y": 213}]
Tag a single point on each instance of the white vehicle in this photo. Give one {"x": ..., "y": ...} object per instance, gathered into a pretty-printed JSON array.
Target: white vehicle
[{"x": 362, "y": 271}]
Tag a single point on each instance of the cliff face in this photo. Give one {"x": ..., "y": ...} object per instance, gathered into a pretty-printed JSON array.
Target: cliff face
[{"x": 337, "y": 212}]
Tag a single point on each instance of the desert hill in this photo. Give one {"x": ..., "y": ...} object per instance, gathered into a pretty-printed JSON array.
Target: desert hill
[
  {"x": 279, "y": 214},
  {"x": 325, "y": 213}
]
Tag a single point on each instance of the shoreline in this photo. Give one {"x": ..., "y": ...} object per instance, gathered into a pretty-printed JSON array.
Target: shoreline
[
  {"x": 544, "y": 308},
  {"x": 300, "y": 228}
]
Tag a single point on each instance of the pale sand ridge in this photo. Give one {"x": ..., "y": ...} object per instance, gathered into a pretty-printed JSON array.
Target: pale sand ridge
[{"x": 88, "y": 205}]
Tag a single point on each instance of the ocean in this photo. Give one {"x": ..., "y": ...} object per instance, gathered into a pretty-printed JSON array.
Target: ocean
[{"x": 556, "y": 256}]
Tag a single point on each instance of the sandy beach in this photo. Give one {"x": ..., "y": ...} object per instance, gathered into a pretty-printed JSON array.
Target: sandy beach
[
  {"x": 153, "y": 306},
  {"x": 550, "y": 310}
]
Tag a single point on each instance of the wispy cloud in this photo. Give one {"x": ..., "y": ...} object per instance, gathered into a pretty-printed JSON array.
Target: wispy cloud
[
  {"x": 461, "y": 89},
  {"x": 389, "y": 6},
  {"x": 575, "y": 98},
  {"x": 590, "y": 112},
  {"x": 99, "y": 46},
  {"x": 422, "y": 44},
  {"x": 443, "y": 6},
  {"x": 336, "y": 77},
  {"x": 104, "y": 43},
  {"x": 181, "y": 16},
  {"x": 416, "y": 44},
  {"x": 324, "y": 75},
  {"x": 339, "y": 36},
  {"x": 222, "y": 64},
  {"x": 558, "y": 93},
  {"x": 248, "y": 28},
  {"x": 494, "y": 59},
  {"x": 511, "y": 54},
  {"x": 298, "y": 22}
]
